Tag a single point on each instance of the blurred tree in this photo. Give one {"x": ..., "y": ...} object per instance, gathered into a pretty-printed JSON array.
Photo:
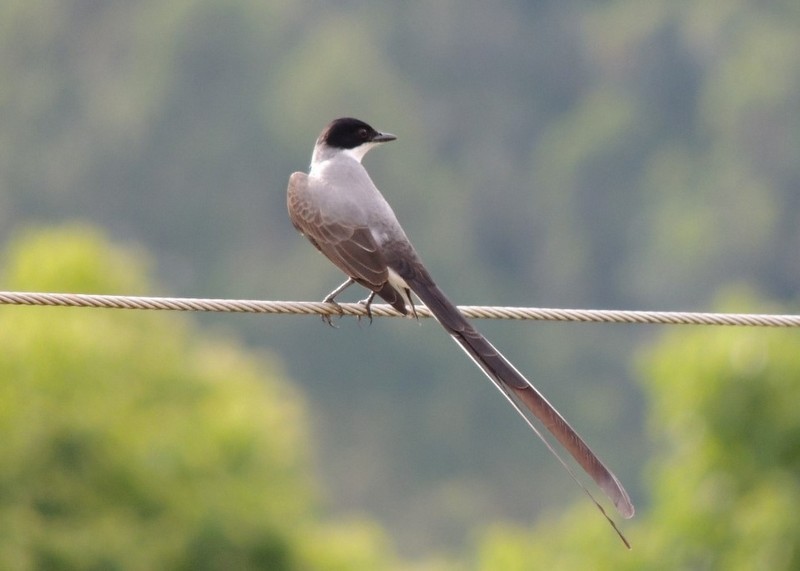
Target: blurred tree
[
  {"x": 131, "y": 440},
  {"x": 724, "y": 478}
]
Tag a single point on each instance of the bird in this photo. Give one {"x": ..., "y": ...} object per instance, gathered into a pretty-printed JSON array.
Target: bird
[{"x": 338, "y": 208}]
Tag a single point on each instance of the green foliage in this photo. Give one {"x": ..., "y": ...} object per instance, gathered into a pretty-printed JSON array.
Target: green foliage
[
  {"x": 726, "y": 403},
  {"x": 132, "y": 440},
  {"x": 723, "y": 480}
]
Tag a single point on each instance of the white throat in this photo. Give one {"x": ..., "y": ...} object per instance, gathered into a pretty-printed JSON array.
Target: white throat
[
  {"x": 325, "y": 153},
  {"x": 361, "y": 150}
]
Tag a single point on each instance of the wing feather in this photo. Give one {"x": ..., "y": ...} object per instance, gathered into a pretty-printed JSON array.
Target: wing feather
[{"x": 351, "y": 248}]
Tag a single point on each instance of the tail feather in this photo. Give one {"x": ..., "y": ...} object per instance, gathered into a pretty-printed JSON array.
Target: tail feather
[{"x": 518, "y": 389}]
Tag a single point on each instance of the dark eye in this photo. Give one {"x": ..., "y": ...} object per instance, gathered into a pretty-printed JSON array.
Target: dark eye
[{"x": 363, "y": 133}]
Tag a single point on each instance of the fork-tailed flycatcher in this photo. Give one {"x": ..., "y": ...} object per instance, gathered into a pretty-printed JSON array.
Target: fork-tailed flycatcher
[{"x": 339, "y": 209}]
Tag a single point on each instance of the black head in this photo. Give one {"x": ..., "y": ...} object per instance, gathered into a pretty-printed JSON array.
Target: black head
[{"x": 349, "y": 133}]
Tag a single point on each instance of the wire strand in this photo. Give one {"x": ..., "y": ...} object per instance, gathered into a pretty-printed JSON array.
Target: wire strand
[{"x": 379, "y": 310}]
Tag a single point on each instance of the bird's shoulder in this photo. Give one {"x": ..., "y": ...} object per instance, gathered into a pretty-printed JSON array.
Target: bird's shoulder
[{"x": 298, "y": 181}]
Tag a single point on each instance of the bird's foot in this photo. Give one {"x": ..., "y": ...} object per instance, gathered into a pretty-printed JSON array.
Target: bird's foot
[
  {"x": 367, "y": 307},
  {"x": 327, "y": 317},
  {"x": 331, "y": 298}
]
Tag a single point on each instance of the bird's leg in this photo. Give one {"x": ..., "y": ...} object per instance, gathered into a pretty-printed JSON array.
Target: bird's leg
[
  {"x": 331, "y": 298},
  {"x": 368, "y": 306}
]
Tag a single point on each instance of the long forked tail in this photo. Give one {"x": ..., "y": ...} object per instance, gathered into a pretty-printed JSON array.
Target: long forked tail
[{"x": 517, "y": 389}]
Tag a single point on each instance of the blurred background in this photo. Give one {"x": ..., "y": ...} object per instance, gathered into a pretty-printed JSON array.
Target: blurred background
[{"x": 616, "y": 154}]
